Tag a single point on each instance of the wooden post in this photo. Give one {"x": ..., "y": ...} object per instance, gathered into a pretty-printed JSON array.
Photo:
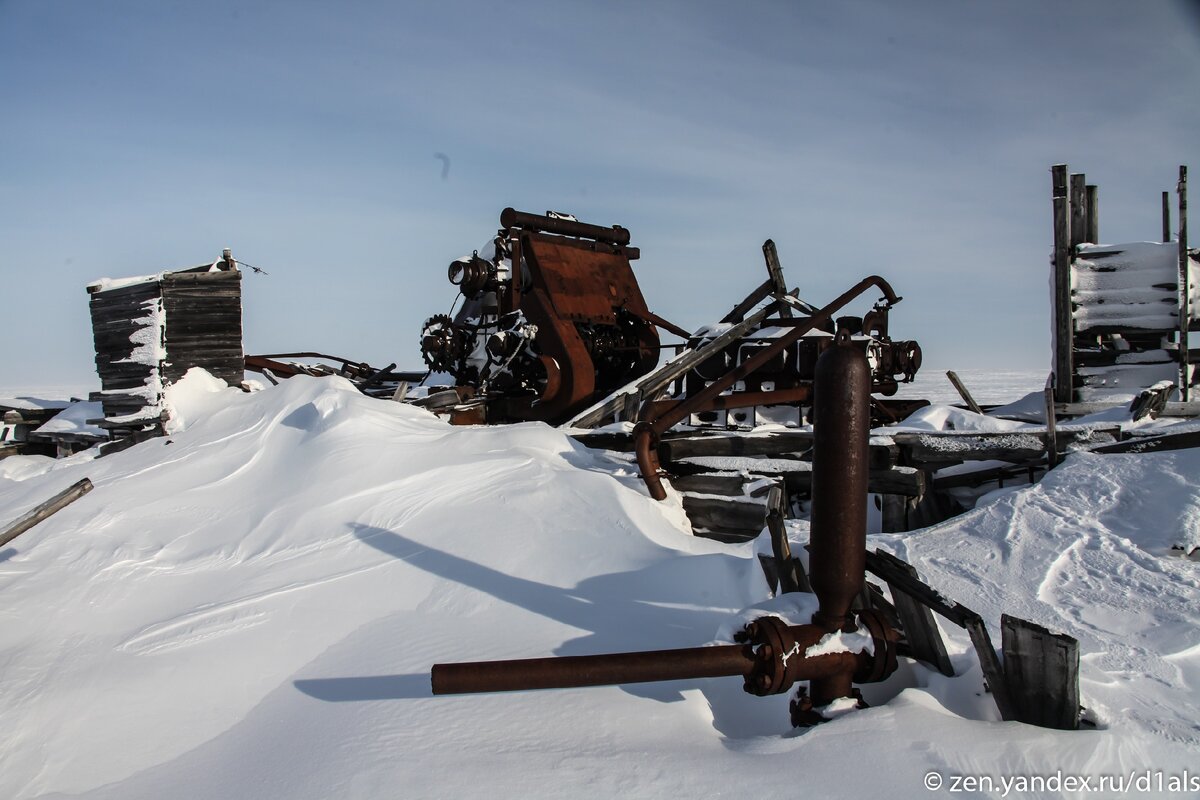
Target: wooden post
[
  {"x": 1185, "y": 291},
  {"x": 1079, "y": 223},
  {"x": 1166, "y": 216},
  {"x": 963, "y": 393},
  {"x": 1051, "y": 425},
  {"x": 775, "y": 274},
  {"x": 1093, "y": 214},
  {"x": 1063, "y": 323},
  {"x": 46, "y": 509},
  {"x": 791, "y": 573}
]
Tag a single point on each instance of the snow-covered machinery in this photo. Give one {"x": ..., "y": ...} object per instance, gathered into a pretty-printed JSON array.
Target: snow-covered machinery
[
  {"x": 553, "y": 325},
  {"x": 552, "y": 320}
]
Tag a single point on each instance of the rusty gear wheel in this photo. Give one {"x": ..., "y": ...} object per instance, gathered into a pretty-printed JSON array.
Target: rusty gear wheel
[{"x": 441, "y": 344}]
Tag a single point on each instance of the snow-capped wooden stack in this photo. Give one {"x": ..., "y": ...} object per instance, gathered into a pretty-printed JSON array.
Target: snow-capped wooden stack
[
  {"x": 1122, "y": 313},
  {"x": 150, "y": 331}
]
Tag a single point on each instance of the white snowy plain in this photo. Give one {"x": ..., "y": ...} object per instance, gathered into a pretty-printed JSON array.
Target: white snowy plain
[{"x": 250, "y": 609}]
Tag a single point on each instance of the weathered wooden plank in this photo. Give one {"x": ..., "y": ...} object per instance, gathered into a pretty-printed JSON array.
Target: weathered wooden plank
[
  {"x": 44, "y": 510},
  {"x": 905, "y": 481},
  {"x": 727, "y": 513},
  {"x": 920, "y": 629},
  {"x": 1051, "y": 426},
  {"x": 1189, "y": 409},
  {"x": 1153, "y": 444},
  {"x": 1041, "y": 672},
  {"x": 789, "y": 570},
  {"x": 922, "y": 593},
  {"x": 1185, "y": 371},
  {"x": 882, "y": 456},
  {"x": 961, "y": 388},
  {"x": 944, "y": 448},
  {"x": 1079, "y": 224},
  {"x": 1063, "y": 331}
]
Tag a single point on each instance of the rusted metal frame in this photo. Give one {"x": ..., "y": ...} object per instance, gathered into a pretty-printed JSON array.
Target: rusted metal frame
[
  {"x": 755, "y": 362},
  {"x": 257, "y": 363},
  {"x": 648, "y": 386},
  {"x": 648, "y": 431}
]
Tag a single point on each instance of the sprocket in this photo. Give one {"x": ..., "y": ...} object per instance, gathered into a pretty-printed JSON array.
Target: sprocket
[{"x": 441, "y": 344}]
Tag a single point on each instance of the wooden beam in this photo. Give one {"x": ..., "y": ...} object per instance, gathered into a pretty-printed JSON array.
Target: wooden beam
[
  {"x": 1185, "y": 305},
  {"x": 1166, "y": 217},
  {"x": 1079, "y": 223},
  {"x": 920, "y": 629},
  {"x": 961, "y": 388},
  {"x": 1093, "y": 213},
  {"x": 1051, "y": 427},
  {"x": 1064, "y": 333},
  {"x": 775, "y": 275},
  {"x": 45, "y": 510},
  {"x": 882, "y": 456},
  {"x": 1153, "y": 444}
]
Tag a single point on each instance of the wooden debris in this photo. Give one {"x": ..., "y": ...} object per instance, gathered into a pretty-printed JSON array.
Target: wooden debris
[
  {"x": 924, "y": 639},
  {"x": 1041, "y": 671},
  {"x": 45, "y": 510},
  {"x": 961, "y": 388}
]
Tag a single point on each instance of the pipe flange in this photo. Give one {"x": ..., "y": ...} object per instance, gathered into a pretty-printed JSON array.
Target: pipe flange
[
  {"x": 773, "y": 645},
  {"x": 805, "y": 716},
  {"x": 885, "y": 637}
]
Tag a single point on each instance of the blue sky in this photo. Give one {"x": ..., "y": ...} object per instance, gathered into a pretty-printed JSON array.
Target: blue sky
[{"x": 912, "y": 140}]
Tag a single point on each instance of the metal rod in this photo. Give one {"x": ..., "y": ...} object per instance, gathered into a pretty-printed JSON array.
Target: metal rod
[{"x": 511, "y": 218}]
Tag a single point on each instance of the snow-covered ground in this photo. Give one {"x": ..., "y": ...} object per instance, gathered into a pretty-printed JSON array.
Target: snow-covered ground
[{"x": 249, "y": 608}]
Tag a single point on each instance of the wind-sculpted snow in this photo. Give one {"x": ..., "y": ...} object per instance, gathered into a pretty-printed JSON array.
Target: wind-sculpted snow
[{"x": 250, "y": 607}]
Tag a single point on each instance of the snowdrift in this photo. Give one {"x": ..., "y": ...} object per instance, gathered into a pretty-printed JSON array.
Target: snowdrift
[{"x": 250, "y": 607}]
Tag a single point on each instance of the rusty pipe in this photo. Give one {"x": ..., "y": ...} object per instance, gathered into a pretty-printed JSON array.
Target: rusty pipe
[
  {"x": 645, "y": 434},
  {"x": 770, "y": 664},
  {"x": 838, "y": 543},
  {"x": 511, "y": 218}
]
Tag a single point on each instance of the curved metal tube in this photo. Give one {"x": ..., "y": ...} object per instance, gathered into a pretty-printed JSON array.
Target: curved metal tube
[{"x": 645, "y": 436}]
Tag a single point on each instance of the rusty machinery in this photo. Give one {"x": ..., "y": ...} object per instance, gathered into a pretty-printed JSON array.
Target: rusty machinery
[
  {"x": 567, "y": 326},
  {"x": 552, "y": 319},
  {"x": 770, "y": 654}
]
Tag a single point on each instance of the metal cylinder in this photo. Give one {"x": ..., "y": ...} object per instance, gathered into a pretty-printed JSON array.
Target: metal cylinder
[
  {"x": 601, "y": 670},
  {"x": 841, "y": 434},
  {"x": 511, "y": 218},
  {"x": 838, "y": 542}
]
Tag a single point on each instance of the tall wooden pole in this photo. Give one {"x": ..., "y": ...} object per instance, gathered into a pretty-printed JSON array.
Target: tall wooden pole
[
  {"x": 1079, "y": 224},
  {"x": 1093, "y": 214},
  {"x": 1063, "y": 327},
  {"x": 1185, "y": 294},
  {"x": 1166, "y": 215}
]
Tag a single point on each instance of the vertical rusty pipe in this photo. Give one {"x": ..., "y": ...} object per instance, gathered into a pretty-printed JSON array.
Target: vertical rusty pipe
[{"x": 837, "y": 548}]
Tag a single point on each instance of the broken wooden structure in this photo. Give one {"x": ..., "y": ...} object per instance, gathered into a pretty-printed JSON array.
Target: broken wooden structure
[
  {"x": 1122, "y": 312},
  {"x": 150, "y": 331}
]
